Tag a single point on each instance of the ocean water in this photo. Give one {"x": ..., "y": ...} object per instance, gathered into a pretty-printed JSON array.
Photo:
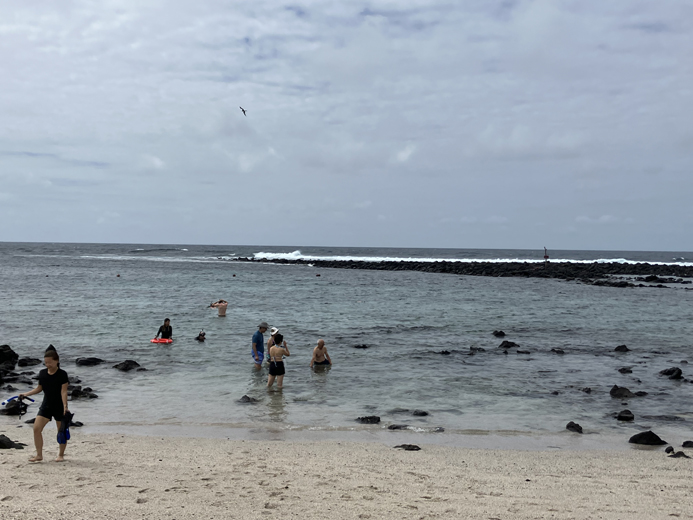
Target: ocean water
[{"x": 69, "y": 295}]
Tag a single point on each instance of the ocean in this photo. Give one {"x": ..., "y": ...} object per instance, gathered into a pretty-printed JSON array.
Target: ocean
[{"x": 70, "y": 296}]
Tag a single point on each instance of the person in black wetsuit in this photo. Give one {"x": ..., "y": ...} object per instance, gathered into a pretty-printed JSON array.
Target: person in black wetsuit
[
  {"x": 165, "y": 330},
  {"x": 52, "y": 381}
]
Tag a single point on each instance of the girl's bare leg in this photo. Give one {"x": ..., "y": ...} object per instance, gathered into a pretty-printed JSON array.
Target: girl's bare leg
[
  {"x": 61, "y": 451},
  {"x": 39, "y": 424},
  {"x": 270, "y": 381},
  {"x": 280, "y": 381}
]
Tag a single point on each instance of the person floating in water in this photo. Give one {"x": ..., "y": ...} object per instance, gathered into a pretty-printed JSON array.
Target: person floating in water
[
  {"x": 165, "y": 330},
  {"x": 201, "y": 336},
  {"x": 276, "y": 364},
  {"x": 53, "y": 382},
  {"x": 320, "y": 355},
  {"x": 258, "y": 342},
  {"x": 220, "y": 305}
]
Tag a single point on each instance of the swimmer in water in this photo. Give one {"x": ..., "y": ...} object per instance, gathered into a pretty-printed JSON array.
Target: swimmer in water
[
  {"x": 165, "y": 330},
  {"x": 276, "y": 356},
  {"x": 220, "y": 306},
  {"x": 320, "y": 355}
]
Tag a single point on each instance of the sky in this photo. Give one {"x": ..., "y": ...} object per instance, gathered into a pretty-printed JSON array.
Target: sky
[{"x": 419, "y": 123}]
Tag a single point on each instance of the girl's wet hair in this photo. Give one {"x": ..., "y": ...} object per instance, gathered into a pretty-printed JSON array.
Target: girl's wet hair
[{"x": 278, "y": 338}]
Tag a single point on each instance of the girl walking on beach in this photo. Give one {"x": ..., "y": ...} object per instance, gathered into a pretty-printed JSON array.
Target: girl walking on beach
[
  {"x": 276, "y": 355},
  {"x": 52, "y": 381}
]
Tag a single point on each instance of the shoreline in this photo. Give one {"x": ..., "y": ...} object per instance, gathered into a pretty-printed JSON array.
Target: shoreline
[
  {"x": 594, "y": 273},
  {"x": 116, "y": 476}
]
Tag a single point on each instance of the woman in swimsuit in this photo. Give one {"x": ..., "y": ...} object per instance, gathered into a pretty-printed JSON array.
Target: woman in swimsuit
[
  {"x": 52, "y": 381},
  {"x": 277, "y": 351}
]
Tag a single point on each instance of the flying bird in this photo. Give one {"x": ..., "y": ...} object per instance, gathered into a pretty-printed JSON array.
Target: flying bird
[{"x": 243, "y": 110}]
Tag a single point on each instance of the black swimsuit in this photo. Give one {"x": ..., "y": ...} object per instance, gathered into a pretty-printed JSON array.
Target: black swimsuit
[{"x": 276, "y": 367}]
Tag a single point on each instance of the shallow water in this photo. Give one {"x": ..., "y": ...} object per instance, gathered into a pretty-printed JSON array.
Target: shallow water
[{"x": 69, "y": 295}]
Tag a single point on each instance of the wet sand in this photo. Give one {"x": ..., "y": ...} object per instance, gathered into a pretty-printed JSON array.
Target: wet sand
[{"x": 117, "y": 476}]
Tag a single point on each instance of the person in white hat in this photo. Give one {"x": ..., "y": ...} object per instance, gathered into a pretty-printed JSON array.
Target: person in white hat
[{"x": 270, "y": 342}]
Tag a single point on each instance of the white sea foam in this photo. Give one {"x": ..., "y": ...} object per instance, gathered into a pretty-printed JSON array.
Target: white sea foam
[{"x": 297, "y": 255}]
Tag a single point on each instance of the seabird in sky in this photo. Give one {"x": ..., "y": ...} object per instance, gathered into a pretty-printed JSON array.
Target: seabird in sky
[{"x": 243, "y": 110}]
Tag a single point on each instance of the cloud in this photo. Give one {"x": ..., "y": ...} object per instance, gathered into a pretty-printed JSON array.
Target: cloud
[{"x": 505, "y": 117}]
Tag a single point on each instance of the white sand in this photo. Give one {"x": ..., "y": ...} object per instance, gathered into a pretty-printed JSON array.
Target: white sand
[{"x": 122, "y": 477}]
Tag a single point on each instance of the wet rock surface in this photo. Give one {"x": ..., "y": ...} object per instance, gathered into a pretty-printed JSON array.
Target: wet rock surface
[
  {"x": 573, "y": 427},
  {"x": 648, "y": 438},
  {"x": 603, "y": 274},
  {"x": 88, "y": 361},
  {"x": 127, "y": 365},
  {"x": 672, "y": 373},
  {"x": 408, "y": 447},
  {"x": 620, "y": 392},
  {"x": 369, "y": 419},
  {"x": 625, "y": 415}
]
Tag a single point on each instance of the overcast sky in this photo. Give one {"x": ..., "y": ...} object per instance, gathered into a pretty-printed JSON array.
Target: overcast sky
[{"x": 419, "y": 123}]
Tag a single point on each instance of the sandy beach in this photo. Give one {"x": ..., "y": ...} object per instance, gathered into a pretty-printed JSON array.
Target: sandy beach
[{"x": 119, "y": 476}]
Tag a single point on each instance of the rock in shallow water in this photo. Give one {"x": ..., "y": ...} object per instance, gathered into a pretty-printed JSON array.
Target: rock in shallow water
[
  {"x": 573, "y": 427},
  {"x": 398, "y": 427},
  {"x": 647, "y": 438},
  {"x": 127, "y": 365},
  {"x": 669, "y": 449},
  {"x": 508, "y": 344},
  {"x": 625, "y": 370},
  {"x": 687, "y": 444},
  {"x": 88, "y": 361},
  {"x": 247, "y": 399},
  {"x": 620, "y": 392},
  {"x": 28, "y": 362},
  {"x": 625, "y": 415},
  {"x": 621, "y": 348},
  {"x": 420, "y": 413},
  {"x": 369, "y": 419},
  {"x": 672, "y": 373},
  {"x": 499, "y": 333}
]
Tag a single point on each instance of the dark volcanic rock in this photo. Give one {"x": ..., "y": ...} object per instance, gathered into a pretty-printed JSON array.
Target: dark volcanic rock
[
  {"x": 523, "y": 351},
  {"x": 648, "y": 438},
  {"x": 558, "y": 350},
  {"x": 408, "y": 447},
  {"x": 573, "y": 427},
  {"x": 672, "y": 373},
  {"x": 620, "y": 392},
  {"x": 420, "y": 413},
  {"x": 361, "y": 346},
  {"x": 499, "y": 333},
  {"x": 28, "y": 362},
  {"x": 247, "y": 399},
  {"x": 508, "y": 344},
  {"x": 398, "y": 427},
  {"x": 640, "y": 393},
  {"x": 477, "y": 349},
  {"x": 74, "y": 380},
  {"x": 625, "y": 370},
  {"x": 88, "y": 361},
  {"x": 687, "y": 444},
  {"x": 625, "y": 415},
  {"x": 8, "y": 358},
  {"x": 669, "y": 449},
  {"x": 369, "y": 419},
  {"x": 587, "y": 390},
  {"x": 7, "y": 444},
  {"x": 127, "y": 365},
  {"x": 679, "y": 455},
  {"x": 444, "y": 352},
  {"x": 621, "y": 348}
]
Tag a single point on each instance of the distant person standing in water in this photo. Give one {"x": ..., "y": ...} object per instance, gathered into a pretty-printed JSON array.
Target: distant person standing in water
[
  {"x": 258, "y": 343},
  {"x": 276, "y": 365},
  {"x": 320, "y": 355},
  {"x": 165, "y": 330},
  {"x": 52, "y": 381},
  {"x": 221, "y": 307}
]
